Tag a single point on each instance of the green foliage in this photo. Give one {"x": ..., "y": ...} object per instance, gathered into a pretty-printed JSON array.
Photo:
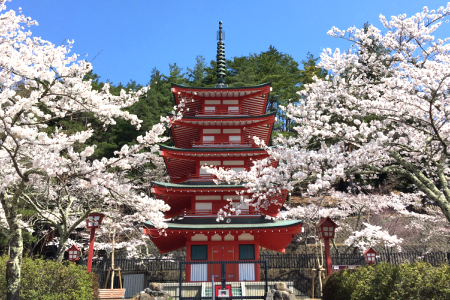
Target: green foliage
[
  {"x": 310, "y": 70},
  {"x": 389, "y": 282},
  {"x": 198, "y": 76},
  {"x": 50, "y": 280},
  {"x": 270, "y": 66}
]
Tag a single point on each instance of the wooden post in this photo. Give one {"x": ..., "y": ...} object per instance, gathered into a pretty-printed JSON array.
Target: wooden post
[
  {"x": 112, "y": 277},
  {"x": 313, "y": 283},
  {"x": 107, "y": 277},
  {"x": 112, "y": 255},
  {"x": 120, "y": 277}
]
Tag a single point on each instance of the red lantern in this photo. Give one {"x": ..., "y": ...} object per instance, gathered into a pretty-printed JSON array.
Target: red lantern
[
  {"x": 94, "y": 220},
  {"x": 325, "y": 230},
  {"x": 370, "y": 256},
  {"x": 74, "y": 253}
]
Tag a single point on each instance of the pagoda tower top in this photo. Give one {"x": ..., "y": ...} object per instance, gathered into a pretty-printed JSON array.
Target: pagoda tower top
[{"x": 220, "y": 57}]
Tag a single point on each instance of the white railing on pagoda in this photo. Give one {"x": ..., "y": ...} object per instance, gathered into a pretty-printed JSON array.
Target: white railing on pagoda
[
  {"x": 210, "y": 212},
  {"x": 201, "y": 177},
  {"x": 221, "y": 112},
  {"x": 212, "y": 144}
]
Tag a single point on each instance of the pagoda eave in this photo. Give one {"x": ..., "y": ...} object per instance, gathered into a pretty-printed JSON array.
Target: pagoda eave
[
  {"x": 190, "y": 132},
  {"x": 202, "y": 153},
  {"x": 190, "y": 187},
  {"x": 257, "y": 225},
  {"x": 275, "y": 235},
  {"x": 225, "y": 122},
  {"x": 220, "y": 93},
  {"x": 252, "y": 100}
]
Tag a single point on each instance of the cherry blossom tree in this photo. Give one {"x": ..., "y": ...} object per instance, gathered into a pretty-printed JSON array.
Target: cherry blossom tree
[
  {"x": 371, "y": 219},
  {"x": 383, "y": 109},
  {"x": 51, "y": 171}
]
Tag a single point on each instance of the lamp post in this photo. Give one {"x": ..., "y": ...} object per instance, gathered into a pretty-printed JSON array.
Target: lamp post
[
  {"x": 325, "y": 230},
  {"x": 74, "y": 253},
  {"x": 93, "y": 221},
  {"x": 370, "y": 256}
]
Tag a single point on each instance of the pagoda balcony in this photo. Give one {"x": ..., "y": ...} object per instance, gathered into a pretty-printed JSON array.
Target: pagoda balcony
[
  {"x": 201, "y": 177},
  {"x": 221, "y": 112},
  {"x": 212, "y": 144},
  {"x": 213, "y": 213}
]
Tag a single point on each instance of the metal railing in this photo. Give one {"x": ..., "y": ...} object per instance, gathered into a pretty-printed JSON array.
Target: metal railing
[
  {"x": 226, "y": 276},
  {"x": 296, "y": 268}
]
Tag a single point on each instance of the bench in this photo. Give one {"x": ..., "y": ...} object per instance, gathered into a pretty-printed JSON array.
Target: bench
[{"x": 112, "y": 294}]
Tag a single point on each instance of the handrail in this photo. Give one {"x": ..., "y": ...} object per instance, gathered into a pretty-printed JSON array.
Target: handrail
[
  {"x": 207, "y": 212},
  {"x": 215, "y": 112},
  {"x": 240, "y": 144},
  {"x": 201, "y": 177}
]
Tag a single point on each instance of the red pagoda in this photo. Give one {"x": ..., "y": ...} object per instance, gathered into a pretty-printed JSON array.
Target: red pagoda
[{"x": 218, "y": 130}]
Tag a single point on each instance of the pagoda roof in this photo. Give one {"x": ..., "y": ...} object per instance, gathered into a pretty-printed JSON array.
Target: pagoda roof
[
  {"x": 182, "y": 163},
  {"x": 216, "y": 150},
  {"x": 215, "y": 118},
  {"x": 222, "y": 88},
  {"x": 252, "y": 99},
  {"x": 274, "y": 235},
  {"x": 227, "y": 117},
  {"x": 198, "y": 185},
  {"x": 235, "y": 224},
  {"x": 187, "y": 130}
]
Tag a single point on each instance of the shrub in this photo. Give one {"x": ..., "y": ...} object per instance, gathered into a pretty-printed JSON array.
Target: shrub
[
  {"x": 384, "y": 281},
  {"x": 51, "y": 280}
]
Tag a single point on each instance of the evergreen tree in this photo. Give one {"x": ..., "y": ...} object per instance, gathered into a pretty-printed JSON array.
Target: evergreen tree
[
  {"x": 197, "y": 76},
  {"x": 310, "y": 70},
  {"x": 270, "y": 66}
]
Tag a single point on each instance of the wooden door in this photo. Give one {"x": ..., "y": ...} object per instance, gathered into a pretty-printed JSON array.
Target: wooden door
[{"x": 223, "y": 253}]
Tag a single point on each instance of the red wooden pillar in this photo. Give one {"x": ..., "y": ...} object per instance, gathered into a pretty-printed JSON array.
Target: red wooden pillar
[
  {"x": 327, "y": 255},
  {"x": 257, "y": 266},
  {"x": 91, "y": 250}
]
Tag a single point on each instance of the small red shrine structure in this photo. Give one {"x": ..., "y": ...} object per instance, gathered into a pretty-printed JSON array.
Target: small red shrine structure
[
  {"x": 370, "y": 256},
  {"x": 74, "y": 253},
  {"x": 217, "y": 129}
]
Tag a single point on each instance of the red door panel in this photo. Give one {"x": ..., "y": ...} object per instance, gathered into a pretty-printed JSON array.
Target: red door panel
[{"x": 223, "y": 253}]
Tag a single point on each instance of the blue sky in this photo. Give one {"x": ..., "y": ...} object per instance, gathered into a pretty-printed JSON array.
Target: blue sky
[{"x": 136, "y": 36}]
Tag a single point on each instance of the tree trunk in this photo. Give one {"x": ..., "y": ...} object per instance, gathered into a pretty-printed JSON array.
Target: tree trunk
[
  {"x": 62, "y": 245},
  {"x": 14, "y": 264}
]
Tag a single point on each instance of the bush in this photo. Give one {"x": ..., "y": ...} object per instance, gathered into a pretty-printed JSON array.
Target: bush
[
  {"x": 384, "y": 281},
  {"x": 51, "y": 280}
]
